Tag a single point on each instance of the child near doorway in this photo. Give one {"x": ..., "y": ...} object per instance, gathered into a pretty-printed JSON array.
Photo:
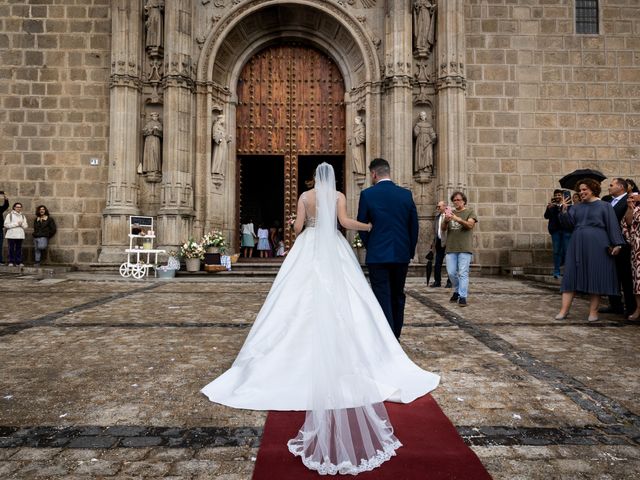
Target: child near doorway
[{"x": 263, "y": 241}]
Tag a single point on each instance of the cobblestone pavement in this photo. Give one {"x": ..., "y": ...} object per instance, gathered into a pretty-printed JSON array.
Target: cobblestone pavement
[{"x": 101, "y": 378}]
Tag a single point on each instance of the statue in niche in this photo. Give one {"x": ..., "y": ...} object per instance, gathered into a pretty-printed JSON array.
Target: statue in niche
[
  {"x": 220, "y": 141},
  {"x": 423, "y": 26},
  {"x": 425, "y": 138},
  {"x": 358, "y": 144},
  {"x": 154, "y": 24},
  {"x": 152, "y": 151}
]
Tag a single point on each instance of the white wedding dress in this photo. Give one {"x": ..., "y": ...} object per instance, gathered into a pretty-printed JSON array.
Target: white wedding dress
[{"x": 322, "y": 344}]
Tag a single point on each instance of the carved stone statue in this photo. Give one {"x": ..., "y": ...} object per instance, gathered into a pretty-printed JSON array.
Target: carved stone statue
[
  {"x": 423, "y": 26},
  {"x": 154, "y": 23},
  {"x": 220, "y": 141},
  {"x": 152, "y": 151},
  {"x": 358, "y": 144},
  {"x": 425, "y": 138}
]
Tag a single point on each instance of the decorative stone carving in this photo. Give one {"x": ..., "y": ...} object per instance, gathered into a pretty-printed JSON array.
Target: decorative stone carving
[
  {"x": 220, "y": 141},
  {"x": 425, "y": 137},
  {"x": 154, "y": 25},
  {"x": 152, "y": 151},
  {"x": 424, "y": 26},
  {"x": 357, "y": 143}
]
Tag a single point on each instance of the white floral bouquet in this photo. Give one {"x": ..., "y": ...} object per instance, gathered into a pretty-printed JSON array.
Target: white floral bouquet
[
  {"x": 192, "y": 249},
  {"x": 357, "y": 241},
  {"x": 215, "y": 238}
]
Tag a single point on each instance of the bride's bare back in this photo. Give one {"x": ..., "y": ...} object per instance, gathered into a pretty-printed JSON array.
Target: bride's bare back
[{"x": 307, "y": 213}]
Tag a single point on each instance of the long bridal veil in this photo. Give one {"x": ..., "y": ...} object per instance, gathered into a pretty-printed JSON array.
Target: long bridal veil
[{"x": 347, "y": 431}]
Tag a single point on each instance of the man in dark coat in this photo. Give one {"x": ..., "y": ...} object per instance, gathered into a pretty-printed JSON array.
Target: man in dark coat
[
  {"x": 391, "y": 244},
  {"x": 618, "y": 194}
]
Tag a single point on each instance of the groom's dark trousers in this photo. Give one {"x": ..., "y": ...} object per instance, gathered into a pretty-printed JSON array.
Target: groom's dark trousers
[
  {"x": 390, "y": 245},
  {"x": 387, "y": 282}
]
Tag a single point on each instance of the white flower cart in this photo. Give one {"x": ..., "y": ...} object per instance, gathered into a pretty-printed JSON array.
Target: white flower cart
[{"x": 141, "y": 254}]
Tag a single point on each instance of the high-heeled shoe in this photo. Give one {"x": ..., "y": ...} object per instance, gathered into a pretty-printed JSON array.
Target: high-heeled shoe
[
  {"x": 561, "y": 317},
  {"x": 634, "y": 316},
  {"x": 593, "y": 319}
]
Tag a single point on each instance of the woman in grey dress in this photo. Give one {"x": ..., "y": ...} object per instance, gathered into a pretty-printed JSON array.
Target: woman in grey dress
[{"x": 589, "y": 264}]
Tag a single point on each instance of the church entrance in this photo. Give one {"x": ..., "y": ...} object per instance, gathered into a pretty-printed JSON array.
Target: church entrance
[{"x": 290, "y": 117}]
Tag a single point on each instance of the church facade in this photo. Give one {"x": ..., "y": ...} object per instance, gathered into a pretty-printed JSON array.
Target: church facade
[{"x": 204, "y": 113}]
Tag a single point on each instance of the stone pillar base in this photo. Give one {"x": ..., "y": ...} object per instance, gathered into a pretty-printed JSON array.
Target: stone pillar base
[{"x": 175, "y": 228}]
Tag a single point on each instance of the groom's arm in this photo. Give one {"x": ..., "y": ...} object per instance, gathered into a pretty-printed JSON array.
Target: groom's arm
[{"x": 363, "y": 216}]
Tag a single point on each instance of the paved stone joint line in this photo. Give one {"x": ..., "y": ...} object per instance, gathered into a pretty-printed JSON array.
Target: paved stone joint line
[
  {"x": 136, "y": 436},
  {"x": 606, "y": 409},
  {"x": 154, "y": 325},
  {"x": 205, "y": 325},
  {"x": 99, "y": 437},
  {"x": 51, "y": 317}
]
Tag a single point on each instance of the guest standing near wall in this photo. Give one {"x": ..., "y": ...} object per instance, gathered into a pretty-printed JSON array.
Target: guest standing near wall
[
  {"x": 3, "y": 208},
  {"x": 560, "y": 234},
  {"x": 590, "y": 267},
  {"x": 15, "y": 223},
  {"x": 618, "y": 198},
  {"x": 631, "y": 231},
  {"x": 44, "y": 228}
]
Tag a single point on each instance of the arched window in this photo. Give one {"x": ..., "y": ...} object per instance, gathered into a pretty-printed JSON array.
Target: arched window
[{"x": 587, "y": 16}]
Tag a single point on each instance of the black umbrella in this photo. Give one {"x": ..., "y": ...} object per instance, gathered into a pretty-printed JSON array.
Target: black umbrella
[
  {"x": 569, "y": 181},
  {"x": 429, "y": 265}
]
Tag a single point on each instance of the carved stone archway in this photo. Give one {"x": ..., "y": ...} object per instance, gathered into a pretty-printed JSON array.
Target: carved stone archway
[{"x": 234, "y": 39}]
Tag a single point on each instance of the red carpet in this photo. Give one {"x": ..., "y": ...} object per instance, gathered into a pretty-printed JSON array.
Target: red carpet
[{"x": 432, "y": 448}]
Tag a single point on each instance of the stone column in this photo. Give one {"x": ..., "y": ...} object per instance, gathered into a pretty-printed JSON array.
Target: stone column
[
  {"x": 176, "y": 212},
  {"x": 124, "y": 127},
  {"x": 451, "y": 86},
  {"x": 397, "y": 143}
]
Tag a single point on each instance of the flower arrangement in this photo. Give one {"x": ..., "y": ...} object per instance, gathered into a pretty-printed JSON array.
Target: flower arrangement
[
  {"x": 215, "y": 238},
  {"x": 291, "y": 220},
  {"x": 172, "y": 263},
  {"x": 357, "y": 242},
  {"x": 192, "y": 249}
]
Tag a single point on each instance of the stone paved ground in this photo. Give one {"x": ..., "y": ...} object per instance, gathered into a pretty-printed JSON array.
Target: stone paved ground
[{"x": 100, "y": 378}]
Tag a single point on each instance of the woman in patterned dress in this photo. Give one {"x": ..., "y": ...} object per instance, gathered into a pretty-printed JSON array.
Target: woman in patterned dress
[{"x": 631, "y": 232}]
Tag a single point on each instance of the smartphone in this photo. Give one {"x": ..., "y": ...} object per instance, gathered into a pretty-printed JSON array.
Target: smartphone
[
  {"x": 447, "y": 210},
  {"x": 567, "y": 195}
]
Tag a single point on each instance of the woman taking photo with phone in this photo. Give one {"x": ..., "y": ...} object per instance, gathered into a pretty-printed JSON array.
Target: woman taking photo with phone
[
  {"x": 15, "y": 223},
  {"x": 589, "y": 266}
]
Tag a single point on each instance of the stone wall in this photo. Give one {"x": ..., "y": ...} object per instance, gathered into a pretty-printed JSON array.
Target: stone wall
[
  {"x": 54, "y": 116},
  {"x": 543, "y": 101}
]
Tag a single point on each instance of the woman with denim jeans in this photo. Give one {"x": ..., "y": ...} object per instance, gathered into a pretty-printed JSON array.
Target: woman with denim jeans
[
  {"x": 458, "y": 225},
  {"x": 43, "y": 229}
]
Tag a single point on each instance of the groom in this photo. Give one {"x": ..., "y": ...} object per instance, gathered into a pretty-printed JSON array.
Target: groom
[{"x": 392, "y": 241}]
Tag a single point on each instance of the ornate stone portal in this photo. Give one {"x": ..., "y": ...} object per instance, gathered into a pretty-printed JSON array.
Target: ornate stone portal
[{"x": 391, "y": 61}]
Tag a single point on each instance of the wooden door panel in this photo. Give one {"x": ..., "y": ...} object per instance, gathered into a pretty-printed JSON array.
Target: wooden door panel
[{"x": 290, "y": 103}]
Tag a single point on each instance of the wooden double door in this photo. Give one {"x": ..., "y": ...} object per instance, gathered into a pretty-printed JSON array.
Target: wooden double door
[{"x": 290, "y": 118}]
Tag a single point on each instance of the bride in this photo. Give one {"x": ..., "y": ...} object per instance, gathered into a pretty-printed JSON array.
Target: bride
[{"x": 321, "y": 343}]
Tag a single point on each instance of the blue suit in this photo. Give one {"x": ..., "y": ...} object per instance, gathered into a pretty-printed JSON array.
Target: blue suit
[{"x": 391, "y": 244}]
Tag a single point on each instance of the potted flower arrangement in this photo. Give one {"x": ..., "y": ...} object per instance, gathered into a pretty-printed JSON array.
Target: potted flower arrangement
[
  {"x": 214, "y": 242},
  {"x": 169, "y": 270},
  {"x": 193, "y": 253}
]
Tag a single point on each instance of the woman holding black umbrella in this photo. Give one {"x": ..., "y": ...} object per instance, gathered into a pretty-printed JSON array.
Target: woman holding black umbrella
[{"x": 589, "y": 265}]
